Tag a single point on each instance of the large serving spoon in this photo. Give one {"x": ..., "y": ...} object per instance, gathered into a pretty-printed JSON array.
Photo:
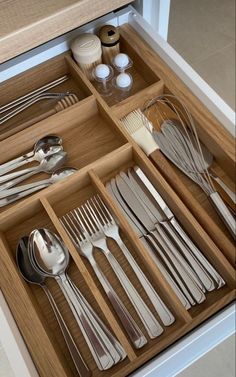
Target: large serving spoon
[
  {"x": 50, "y": 256},
  {"x": 48, "y": 139},
  {"x": 56, "y": 176},
  {"x": 48, "y": 165},
  {"x": 41, "y": 152},
  {"x": 34, "y": 277}
]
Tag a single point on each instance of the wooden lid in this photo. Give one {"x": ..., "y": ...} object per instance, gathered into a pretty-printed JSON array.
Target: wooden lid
[{"x": 109, "y": 35}]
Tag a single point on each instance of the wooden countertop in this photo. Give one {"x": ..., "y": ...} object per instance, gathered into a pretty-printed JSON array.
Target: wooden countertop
[{"x": 25, "y": 24}]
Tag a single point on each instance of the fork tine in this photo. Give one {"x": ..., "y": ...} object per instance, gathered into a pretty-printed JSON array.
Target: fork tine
[
  {"x": 70, "y": 230},
  {"x": 93, "y": 215},
  {"x": 76, "y": 223},
  {"x": 87, "y": 223},
  {"x": 102, "y": 204},
  {"x": 97, "y": 212},
  {"x": 99, "y": 209}
]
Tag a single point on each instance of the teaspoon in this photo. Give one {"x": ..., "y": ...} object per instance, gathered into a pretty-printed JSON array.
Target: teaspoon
[
  {"x": 50, "y": 256},
  {"x": 56, "y": 176},
  {"x": 48, "y": 139},
  {"x": 48, "y": 165},
  {"x": 33, "y": 276},
  {"x": 42, "y": 152}
]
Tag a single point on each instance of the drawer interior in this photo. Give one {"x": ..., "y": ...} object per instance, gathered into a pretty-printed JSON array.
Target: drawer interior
[{"x": 99, "y": 147}]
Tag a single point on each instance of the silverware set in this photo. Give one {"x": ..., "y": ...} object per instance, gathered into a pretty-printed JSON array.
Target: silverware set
[
  {"x": 183, "y": 265},
  {"x": 49, "y": 154},
  {"x": 15, "y": 107},
  {"x": 89, "y": 226},
  {"x": 43, "y": 255}
]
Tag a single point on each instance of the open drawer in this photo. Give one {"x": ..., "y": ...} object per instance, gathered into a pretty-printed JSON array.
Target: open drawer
[{"x": 99, "y": 147}]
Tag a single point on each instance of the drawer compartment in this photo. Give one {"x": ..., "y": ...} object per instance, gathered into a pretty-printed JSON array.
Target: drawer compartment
[{"x": 99, "y": 147}]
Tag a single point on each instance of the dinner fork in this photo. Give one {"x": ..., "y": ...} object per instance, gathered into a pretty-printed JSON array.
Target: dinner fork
[
  {"x": 82, "y": 243},
  {"x": 90, "y": 223},
  {"x": 111, "y": 230}
]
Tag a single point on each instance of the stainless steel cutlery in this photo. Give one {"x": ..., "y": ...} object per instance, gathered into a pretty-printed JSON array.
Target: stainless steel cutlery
[
  {"x": 48, "y": 152},
  {"x": 49, "y": 257},
  {"x": 184, "y": 266}
]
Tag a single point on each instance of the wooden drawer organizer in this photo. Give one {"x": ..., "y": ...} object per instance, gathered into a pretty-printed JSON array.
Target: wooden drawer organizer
[{"x": 99, "y": 147}]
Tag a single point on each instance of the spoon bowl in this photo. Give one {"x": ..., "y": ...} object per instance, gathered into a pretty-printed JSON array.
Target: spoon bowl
[{"x": 47, "y": 253}]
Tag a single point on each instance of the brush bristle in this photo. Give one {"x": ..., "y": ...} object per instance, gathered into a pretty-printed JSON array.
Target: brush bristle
[{"x": 134, "y": 121}]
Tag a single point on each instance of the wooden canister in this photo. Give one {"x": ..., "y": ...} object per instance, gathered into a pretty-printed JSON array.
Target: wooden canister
[
  {"x": 87, "y": 52},
  {"x": 110, "y": 39}
]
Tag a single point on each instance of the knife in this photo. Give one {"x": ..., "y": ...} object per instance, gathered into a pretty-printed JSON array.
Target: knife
[
  {"x": 160, "y": 222},
  {"x": 142, "y": 234},
  {"x": 205, "y": 279},
  {"x": 168, "y": 213},
  {"x": 140, "y": 211}
]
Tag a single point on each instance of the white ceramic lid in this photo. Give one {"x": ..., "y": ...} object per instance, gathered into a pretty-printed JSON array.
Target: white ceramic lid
[{"x": 86, "y": 48}]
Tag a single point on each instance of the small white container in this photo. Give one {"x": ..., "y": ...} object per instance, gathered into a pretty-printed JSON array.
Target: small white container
[
  {"x": 87, "y": 52},
  {"x": 103, "y": 74},
  {"x": 123, "y": 84},
  {"x": 122, "y": 62}
]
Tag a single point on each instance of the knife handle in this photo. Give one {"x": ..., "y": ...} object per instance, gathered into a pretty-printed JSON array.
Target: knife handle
[
  {"x": 197, "y": 267},
  {"x": 150, "y": 249},
  {"x": 181, "y": 265},
  {"x": 197, "y": 253}
]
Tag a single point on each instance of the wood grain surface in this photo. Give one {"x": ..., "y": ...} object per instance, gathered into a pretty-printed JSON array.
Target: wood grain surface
[
  {"x": 99, "y": 147},
  {"x": 26, "y": 24}
]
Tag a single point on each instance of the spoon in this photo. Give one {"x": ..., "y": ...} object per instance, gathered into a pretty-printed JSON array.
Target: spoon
[
  {"x": 56, "y": 176},
  {"x": 48, "y": 165},
  {"x": 50, "y": 257},
  {"x": 40, "y": 153},
  {"x": 32, "y": 276},
  {"x": 49, "y": 139}
]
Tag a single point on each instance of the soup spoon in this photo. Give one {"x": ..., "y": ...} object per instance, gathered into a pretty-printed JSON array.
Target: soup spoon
[
  {"x": 48, "y": 139},
  {"x": 48, "y": 165},
  {"x": 56, "y": 176},
  {"x": 32, "y": 276},
  {"x": 50, "y": 257},
  {"x": 42, "y": 152}
]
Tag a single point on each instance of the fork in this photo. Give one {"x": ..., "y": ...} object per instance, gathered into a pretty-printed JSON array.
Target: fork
[
  {"x": 72, "y": 225},
  {"x": 111, "y": 230},
  {"x": 90, "y": 221}
]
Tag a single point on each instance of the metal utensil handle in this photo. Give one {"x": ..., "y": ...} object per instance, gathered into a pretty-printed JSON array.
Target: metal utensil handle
[
  {"x": 164, "y": 313},
  {"x": 80, "y": 365},
  {"x": 15, "y": 165},
  {"x": 224, "y": 213},
  {"x": 95, "y": 343},
  {"x": 8, "y": 200},
  {"x": 150, "y": 248},
  {"x": 172, "y": 245},
  {"x": 161, "y": 248},
  {"x": 15, "y": 161},
  {"x": 32, "y": 94},
  {"x": 15, "y": 181},
  {"x": 10, "y": 176},
  {"x": 152, "y": 326},
  {"x": 19, "y": 189},
  {"x": 197, "y": 253},
  {"x": 135, "y": 334},
  {"x": 95, "y": 319},
  {"x": 229, "y": 192},
  {"x": 200, "y": 271},
  {"x": 170, "y": 249}
]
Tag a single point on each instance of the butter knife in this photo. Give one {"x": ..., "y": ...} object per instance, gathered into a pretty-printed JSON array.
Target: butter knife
[
  {"x": 141, "y": 212},
  {"x": 178, "y": 228}
]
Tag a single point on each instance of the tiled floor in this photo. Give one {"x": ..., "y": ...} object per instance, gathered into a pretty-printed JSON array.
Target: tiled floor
[{"x": 203, "y": 32}]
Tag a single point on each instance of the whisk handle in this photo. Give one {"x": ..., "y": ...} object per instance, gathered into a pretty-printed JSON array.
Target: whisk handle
[{"x": 224, "y": 212}]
